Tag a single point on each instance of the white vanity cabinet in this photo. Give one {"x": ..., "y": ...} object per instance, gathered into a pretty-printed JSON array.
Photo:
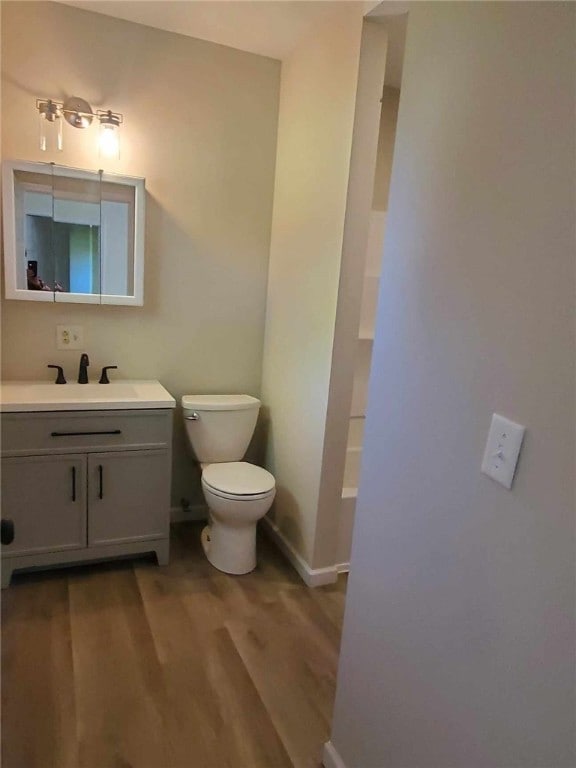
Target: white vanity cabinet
[{"x": 85, "y": 485}]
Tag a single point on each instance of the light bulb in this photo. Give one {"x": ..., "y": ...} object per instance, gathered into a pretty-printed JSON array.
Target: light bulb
[{"x": 109, "y": 141}]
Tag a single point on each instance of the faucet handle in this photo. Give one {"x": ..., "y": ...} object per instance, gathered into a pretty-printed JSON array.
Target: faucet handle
[
  {"x": 104, "y": 377},
  {"x": 60, "y": 377}
]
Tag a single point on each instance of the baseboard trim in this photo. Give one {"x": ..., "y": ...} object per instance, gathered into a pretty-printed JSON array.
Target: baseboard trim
[
  {"x": 342, "y": 567},
  {"x": 194, "y": 512},
  {"x": 312, "y": 577},
  {"x": 330, "y": 757}
]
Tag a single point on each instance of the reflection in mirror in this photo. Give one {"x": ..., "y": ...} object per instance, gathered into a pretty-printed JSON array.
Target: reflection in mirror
[
  {"x": 33, "y": 215},
  {"x": 76, "y": 227},
  {"x": 76, "y": 235}
]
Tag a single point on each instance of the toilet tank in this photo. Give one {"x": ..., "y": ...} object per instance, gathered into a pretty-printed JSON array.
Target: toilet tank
[{"x": 220, "y": 427}]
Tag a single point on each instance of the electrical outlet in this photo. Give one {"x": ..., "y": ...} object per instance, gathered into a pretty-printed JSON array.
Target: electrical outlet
[{"x": 69, "y": 337}]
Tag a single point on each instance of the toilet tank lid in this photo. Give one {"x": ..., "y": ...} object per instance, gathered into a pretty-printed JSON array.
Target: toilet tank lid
[{"x": 219, "y": 402}]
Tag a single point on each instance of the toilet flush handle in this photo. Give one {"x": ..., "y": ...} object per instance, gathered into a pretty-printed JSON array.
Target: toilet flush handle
[{"x": 192, "y": 417}]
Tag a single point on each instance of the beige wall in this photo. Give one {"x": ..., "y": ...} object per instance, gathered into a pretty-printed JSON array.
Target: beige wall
[
  {"x": 200, "y": 125},
  {"x": 458, "y": 645},
  {"x": 314, "y": 141}
]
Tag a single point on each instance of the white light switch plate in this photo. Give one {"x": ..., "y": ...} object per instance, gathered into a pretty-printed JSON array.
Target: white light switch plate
[
  {"x": 69, "y": 337},
  {"x": 502, "y": 449}
]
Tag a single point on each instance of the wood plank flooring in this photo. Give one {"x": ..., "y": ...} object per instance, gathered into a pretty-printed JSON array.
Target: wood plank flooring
[{"x": 127, "y": 665}]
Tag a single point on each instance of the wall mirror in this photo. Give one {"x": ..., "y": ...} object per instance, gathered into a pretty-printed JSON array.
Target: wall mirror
[{"x": 72, "y": 235}]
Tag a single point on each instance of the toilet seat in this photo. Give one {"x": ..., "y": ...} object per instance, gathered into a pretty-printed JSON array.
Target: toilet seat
[
  {"x": 236, "y": 497},
  {"x": 238, "y": 480}
]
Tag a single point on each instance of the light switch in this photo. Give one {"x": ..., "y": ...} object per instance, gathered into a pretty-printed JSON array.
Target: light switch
[{"x": 502, "y": 449}]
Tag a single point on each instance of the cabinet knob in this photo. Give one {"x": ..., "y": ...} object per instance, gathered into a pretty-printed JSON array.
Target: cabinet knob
[{"x": 7, "y": 531}]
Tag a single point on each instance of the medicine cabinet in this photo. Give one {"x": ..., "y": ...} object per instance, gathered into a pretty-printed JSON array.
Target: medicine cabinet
[{"x": 71, "y": 235}]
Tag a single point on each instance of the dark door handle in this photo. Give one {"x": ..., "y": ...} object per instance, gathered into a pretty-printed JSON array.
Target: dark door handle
[
  {"x": 101, "y": 478},
  {"x": 73, "y": 483},
  {"x": 7, "y": 531},
  {"x": 74, "y": 434}
]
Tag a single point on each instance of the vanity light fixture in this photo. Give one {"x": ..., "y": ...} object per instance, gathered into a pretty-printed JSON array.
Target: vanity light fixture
[{"x": 79, "y": 114}]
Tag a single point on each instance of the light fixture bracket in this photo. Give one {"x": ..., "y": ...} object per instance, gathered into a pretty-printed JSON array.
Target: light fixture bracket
[{"x": 77, "y": 112}]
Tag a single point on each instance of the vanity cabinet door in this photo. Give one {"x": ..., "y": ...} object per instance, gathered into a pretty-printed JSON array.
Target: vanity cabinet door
[
  {"x": 45, "y": 497},
  {"x": 128, "y": 496}
]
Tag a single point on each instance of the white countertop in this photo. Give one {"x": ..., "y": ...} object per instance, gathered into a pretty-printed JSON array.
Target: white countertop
[{"x": 127, "y": 394}]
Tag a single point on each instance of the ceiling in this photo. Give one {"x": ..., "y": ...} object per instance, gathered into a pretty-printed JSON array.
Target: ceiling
[{"x": 266, "y": 27}]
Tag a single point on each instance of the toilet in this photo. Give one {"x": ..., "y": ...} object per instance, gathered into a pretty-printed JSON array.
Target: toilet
[{"x": 219, "y": 429}]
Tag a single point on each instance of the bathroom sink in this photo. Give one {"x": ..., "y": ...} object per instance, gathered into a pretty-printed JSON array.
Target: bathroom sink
[
  {"x": 76, "y": 391},
  {"x": 23, "y": 396}
]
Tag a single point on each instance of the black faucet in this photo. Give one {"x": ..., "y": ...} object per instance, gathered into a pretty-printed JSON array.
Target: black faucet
[{"x": 83, "y": 370}]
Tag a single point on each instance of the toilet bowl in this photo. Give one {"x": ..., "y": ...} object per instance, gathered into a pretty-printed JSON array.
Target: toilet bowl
[{"x": 237, "y": 493}]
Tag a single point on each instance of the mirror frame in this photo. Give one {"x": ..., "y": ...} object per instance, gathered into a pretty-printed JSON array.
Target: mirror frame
[{"x": 9, "y": 216}]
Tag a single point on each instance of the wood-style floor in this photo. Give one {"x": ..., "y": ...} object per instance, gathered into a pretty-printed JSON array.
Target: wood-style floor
[{"x": 127, "y": 665}]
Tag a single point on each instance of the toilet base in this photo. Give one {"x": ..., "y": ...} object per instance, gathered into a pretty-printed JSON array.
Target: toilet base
[{"x": 230, "y": 549}]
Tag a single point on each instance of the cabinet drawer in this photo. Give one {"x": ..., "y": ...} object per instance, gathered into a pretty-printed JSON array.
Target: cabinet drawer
[{"x": 84, "y": 431}]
